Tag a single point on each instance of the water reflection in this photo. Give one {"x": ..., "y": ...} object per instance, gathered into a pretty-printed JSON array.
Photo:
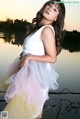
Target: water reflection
[
  {"x": 62, "y": 107},
  {"x": 15, "y": 38},
  {"x": 71, "y": 41}
]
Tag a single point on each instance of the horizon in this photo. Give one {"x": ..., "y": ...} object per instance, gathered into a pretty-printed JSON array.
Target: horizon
[{"x": 13, "y": 9}]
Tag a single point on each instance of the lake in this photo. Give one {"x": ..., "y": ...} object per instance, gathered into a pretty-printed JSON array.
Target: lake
[{"x": 59, "y": 106}]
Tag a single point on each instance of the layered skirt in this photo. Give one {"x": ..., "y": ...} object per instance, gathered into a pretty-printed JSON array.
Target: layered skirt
[{"x": 28, "y": 88}]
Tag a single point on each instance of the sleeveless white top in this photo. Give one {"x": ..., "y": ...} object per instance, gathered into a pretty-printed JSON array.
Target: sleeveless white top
[{"x": 33, "y": 44}]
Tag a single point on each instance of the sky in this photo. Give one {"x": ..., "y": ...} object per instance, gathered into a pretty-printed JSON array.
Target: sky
[{"x": 27, "y": 9}]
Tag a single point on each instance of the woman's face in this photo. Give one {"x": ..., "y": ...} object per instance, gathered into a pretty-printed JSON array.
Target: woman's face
[{"x": 51, "y": 12}]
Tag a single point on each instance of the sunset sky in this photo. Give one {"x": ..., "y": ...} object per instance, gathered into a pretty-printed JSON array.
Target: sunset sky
[{"x": 27, "y": 9}]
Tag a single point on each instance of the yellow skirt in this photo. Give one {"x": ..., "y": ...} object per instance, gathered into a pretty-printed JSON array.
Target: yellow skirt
[{"x": 18, "y": 109}]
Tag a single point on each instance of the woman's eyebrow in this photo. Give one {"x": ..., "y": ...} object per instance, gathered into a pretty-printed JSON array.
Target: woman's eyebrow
[
  {"x": 51, "y": 4},
  {"x": 57, "y": 6}
]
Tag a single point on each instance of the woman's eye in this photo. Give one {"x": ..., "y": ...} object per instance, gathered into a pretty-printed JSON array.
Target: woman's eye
[{"x": 55, "y": 10}]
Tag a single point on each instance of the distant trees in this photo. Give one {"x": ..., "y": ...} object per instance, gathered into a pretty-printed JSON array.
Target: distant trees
[
  {"x": 71, "y": 41},
  {"x": 13, "y": 25},
  {"x": 14, "y": 31}
]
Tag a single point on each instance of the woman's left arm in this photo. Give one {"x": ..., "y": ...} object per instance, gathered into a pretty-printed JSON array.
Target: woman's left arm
[{"x": 48, "y": 39}]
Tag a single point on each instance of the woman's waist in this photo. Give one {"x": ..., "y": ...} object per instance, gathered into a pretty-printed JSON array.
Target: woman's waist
[{"x": 25, "y": 52}]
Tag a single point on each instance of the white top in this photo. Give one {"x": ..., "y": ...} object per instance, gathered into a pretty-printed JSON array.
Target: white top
[{"x": 33, "y": 44}]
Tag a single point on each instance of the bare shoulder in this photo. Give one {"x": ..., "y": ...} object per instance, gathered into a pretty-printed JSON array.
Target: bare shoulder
[
  {"x": 47, "y": 33},
  {"x": 47, "y": 29}
]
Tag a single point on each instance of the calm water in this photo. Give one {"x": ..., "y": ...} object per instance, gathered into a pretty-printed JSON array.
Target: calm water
[{"x": 68, "y": 67}]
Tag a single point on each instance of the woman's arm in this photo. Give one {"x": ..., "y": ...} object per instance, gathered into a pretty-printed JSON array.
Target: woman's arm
[
  {"x": 47, "y": 36},
  {"x": 48, "y": 39}
]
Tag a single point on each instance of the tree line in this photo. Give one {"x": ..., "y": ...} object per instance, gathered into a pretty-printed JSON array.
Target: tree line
[
  {"x": 14, "y": 32},
  {"x": 13, "y": 25}
]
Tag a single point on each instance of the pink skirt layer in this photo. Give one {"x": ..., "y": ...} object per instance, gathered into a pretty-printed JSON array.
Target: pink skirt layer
[{"x": 32, "y": 82}]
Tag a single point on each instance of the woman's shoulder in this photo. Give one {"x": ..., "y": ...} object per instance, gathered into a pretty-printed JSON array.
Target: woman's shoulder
[
  {"x": 48, "y": 29},
  {"x": 45, "y": 28}
]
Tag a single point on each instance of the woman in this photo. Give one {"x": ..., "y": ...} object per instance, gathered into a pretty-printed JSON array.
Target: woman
[{"x": 32, "y": 76}]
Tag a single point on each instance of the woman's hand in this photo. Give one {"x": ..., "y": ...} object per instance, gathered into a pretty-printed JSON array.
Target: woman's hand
[
  {"x": 24, "y": 61},
  {"x": 21, "y": 55}
]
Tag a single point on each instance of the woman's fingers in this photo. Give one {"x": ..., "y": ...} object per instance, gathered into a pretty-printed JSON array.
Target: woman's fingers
[
  {"x": 23, "y": 62},
  {"x": 20, "y": 66},
  {"x": 21, "y": 55}
]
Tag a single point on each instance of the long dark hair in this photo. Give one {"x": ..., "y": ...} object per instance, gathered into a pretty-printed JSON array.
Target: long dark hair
[{"x": 58, "y": 24}]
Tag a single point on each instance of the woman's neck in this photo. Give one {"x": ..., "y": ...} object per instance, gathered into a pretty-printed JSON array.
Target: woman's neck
[{"x": 45, "y": 22}]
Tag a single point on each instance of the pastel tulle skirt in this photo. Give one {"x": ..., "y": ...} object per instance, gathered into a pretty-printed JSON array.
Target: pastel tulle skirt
[{"x": 28, "y": 88}]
